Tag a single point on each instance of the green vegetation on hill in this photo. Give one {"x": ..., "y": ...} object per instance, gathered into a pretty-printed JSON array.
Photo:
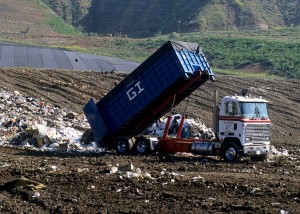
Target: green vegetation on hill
[
  {"x": 72, "y": 11},
  {"x": 276, "y": 57},
  {"x": 141, "y": 18},
  {"x": 269, "y": 52},
  {"x": 56, "y": 22}
]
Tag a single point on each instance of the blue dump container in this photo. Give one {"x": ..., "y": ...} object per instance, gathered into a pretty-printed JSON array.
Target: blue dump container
[{"x": 147, "y": 93}]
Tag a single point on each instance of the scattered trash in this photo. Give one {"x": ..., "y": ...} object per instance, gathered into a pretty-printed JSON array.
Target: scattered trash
[
  {"x": 129, "y": 171},
  {"x": 21, "y": 183},
  {"x": 191, "y": 128},
  {"x": 36, "y": 195},
  {"x": 274, "y": 152},
  {"x": 254, "y": 190},
  {"x": 114, "y": 170},
  {"x": 147, "y": 175},
  {"x": 198, "y": 178},
  {"x": 35, "y": 123},
  {"x": 91, "y": 187},
  {"x": 132, "y": 174},
  {"x": 127, "y": 167},
  {"x": 80, "y": 170},
  {"x": 276, "y": 204},
  {"x": 138, "y": 192}
]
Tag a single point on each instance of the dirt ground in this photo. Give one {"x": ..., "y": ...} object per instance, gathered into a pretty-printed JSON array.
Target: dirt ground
[{"x": 82, "y": 182}]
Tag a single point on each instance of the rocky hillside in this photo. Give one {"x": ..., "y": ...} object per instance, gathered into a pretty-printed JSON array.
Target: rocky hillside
[{"x": 139, "y": 18}]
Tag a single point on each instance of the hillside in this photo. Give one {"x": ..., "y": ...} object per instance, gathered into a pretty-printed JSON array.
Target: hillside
[
  {"x": 256, "y": 52},
  {"x": 138, "y": 18},
  {"x": 30, "y": 17}
]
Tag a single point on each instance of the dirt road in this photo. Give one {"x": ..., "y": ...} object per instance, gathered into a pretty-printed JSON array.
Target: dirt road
[{"x": 78, "y": 183}]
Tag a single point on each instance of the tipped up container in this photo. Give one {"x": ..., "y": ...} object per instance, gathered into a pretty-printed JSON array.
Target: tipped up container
[{"x": 147, "y": 93}]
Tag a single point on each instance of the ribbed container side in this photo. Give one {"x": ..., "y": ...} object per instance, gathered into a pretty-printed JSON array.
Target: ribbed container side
[{"x": 157, "y": 78}]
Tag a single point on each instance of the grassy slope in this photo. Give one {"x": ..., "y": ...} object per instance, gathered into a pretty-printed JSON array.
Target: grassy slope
[
  {"x": 268, "y": 52},
  {"x": 31, "y": 17},
  {"x": 55, "y": 22},
  {"x": 253, "y": 53}
]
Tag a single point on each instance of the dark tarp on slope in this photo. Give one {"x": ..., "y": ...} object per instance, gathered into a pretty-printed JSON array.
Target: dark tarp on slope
[{"x": 12, "y": 55}]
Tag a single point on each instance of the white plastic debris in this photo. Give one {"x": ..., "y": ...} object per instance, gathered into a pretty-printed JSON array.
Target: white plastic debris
[
  {"x": 275, "y": 152},
  {"x": 54, "y": 168},
  {"x": 147, "y": 175},
  {"x": 174, "y": 174},
  {"x": 132, "y": 174},
  {"x": 198, "y": 178},
  {"x": 191, "y": 128},
  {"x": 79, "y": 170},
  {"x": 138, "y": 170},
  {"x": 36, "y": 195},
  {"x": 114, "y": 170},
  {"x": 254, "y": 190}
]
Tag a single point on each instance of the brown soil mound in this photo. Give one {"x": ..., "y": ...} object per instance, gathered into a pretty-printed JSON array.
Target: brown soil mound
[{"x": 78, "y": 183}]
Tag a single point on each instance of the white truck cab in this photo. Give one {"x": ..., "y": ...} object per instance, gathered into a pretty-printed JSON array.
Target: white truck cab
[{"x": 243, "y": 121}]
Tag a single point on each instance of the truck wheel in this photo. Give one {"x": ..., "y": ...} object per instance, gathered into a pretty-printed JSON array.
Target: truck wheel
[
  {"x": 259, "y": 157},
  {"x": 123, "y": 145},
  {"x": 142, "y": 146},
  {"x": 231, "y": 152}
]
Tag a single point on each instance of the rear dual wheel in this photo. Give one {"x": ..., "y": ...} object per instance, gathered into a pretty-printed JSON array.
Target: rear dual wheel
[
  {"x": 124, "y": 145},
  {"x": 142, "y": 146}
]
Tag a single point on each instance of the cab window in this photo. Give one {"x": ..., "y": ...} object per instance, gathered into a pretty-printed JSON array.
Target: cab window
[{"x": 231, "y": 108}]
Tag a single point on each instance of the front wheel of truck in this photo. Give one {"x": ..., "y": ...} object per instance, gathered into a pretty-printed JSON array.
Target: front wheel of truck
[{"x": 231, "y": 152}]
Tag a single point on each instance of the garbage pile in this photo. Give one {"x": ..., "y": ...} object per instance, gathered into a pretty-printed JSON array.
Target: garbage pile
[
  {"x": 31, "y": 122},
  {"x": 190, "y": 129}
]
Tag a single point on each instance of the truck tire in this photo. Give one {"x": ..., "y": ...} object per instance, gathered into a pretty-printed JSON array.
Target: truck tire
[
  {"x": 231, "y": 152},
  {"x": 259, "y": 157},
  {"x": 123, "y": 145},
  {"x": 142, "y": 146}
]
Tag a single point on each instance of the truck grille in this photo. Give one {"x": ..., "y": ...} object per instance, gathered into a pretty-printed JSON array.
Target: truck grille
[{"x": 257, "y": 133}]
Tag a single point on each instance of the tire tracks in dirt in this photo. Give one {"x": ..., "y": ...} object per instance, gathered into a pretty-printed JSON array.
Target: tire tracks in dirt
[{"x": 73, "y": 89}]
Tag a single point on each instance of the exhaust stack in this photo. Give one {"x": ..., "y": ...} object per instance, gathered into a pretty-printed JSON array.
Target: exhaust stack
[{"x": 216, "y": 115}]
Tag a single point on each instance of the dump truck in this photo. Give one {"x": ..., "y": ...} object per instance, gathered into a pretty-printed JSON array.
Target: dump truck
[{"x": 166, "y": 78}]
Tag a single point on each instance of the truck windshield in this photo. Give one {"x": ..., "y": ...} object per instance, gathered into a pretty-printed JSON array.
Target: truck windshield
[{"x": 254, "y": 110}]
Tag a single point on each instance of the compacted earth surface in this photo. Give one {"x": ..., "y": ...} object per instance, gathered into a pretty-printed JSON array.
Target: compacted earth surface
[{"x": 95, "y": 182}]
